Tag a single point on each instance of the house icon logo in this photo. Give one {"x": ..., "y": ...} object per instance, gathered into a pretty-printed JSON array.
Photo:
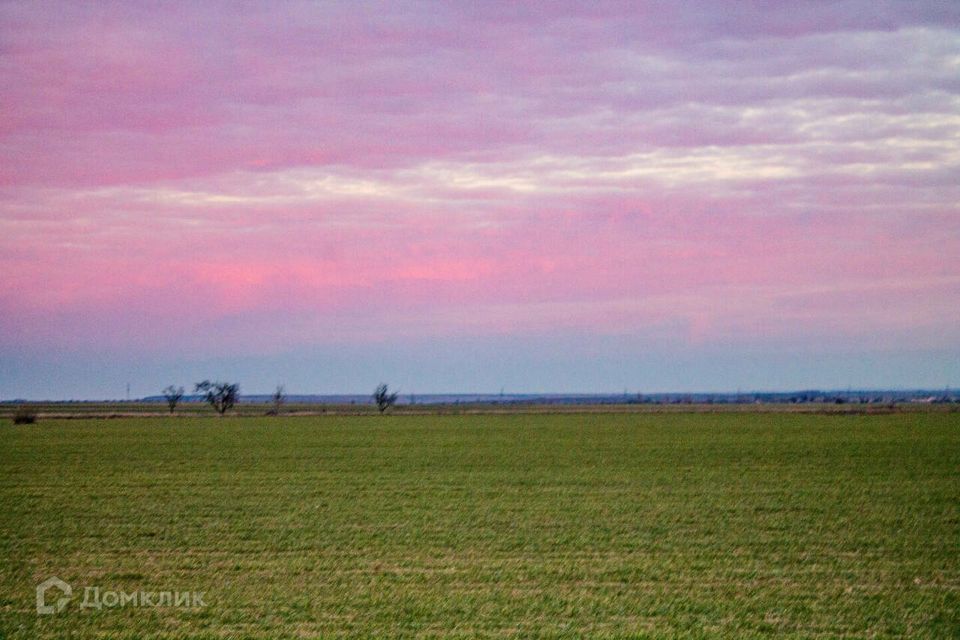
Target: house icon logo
[{"x": 52, "y": 583}]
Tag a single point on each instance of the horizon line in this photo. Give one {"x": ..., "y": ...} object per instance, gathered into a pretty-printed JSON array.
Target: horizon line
[{"x": 405, "y": 396}]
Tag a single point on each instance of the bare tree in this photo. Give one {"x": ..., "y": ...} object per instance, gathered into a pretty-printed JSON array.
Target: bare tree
[
  {"x": 173, "y": 395},
  {"x": 221, "y": 395},
  {"x": 279, "y": 397},
  {"x": 383, "y": 397}
]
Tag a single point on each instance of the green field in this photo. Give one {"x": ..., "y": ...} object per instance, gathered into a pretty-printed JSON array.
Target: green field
[{"x": 553, "y": 526}]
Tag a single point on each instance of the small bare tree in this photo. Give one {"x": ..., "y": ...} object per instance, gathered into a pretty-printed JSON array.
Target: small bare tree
[
  {"x": 221, "y": 395},
  {"x": 279, "y": 397},
  {"x": 173, "y": 395},
  {"x": 383, "y": 397}
]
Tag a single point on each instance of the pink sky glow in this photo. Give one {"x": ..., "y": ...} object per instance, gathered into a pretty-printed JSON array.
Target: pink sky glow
[{"x": 188, "y": 182}]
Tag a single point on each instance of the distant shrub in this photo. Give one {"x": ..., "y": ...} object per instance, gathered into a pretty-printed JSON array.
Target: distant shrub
[
  {"x": 173, "y": 395},
  {"x": 279, "y": 397},
  {"x": 383, "y": 398},
  {"x": 24, "y": 415}
]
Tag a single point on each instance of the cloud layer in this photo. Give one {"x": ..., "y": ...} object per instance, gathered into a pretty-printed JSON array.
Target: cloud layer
[{"x": 208, "y": 178}]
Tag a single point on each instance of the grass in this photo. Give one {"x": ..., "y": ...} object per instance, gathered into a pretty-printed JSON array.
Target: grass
[
  {"x": 538, "y": 525},
  {"x": 112, "y": 410}
]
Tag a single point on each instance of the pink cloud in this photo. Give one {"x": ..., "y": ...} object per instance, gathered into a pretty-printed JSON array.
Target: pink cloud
[{"x": 329, "y": 171}]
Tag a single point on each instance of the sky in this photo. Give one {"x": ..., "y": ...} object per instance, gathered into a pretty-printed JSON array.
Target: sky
[{"x": 476, "y": 196}]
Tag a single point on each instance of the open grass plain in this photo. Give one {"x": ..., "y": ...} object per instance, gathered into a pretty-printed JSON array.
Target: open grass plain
[{"x": 537, "y": 525}]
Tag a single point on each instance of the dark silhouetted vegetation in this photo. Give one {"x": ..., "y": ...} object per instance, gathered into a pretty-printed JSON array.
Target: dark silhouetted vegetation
[
  {"x": 278, "y": 398},
  {"x": 220, "y": 395},
  {"x": 173, "y": 395},
  {"x": 24, "y": 415},
  {"x": 383, "y": 397}
]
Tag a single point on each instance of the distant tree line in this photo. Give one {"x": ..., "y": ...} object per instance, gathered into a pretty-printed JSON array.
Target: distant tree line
[{"x": 222, "y": 396}]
